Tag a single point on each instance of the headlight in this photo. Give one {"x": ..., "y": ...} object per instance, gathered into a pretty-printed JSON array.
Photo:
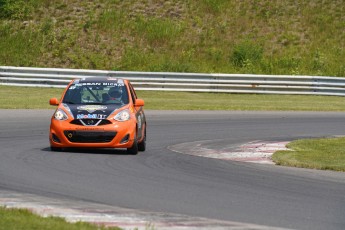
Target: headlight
[
  {"x": 68, "y": 110},
  {"x": 122, "y": 116},
  {"x": 60, "y": 115}
]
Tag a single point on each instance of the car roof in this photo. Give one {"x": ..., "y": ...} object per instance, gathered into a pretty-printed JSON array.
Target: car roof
[{"x": 99, "y": 79}]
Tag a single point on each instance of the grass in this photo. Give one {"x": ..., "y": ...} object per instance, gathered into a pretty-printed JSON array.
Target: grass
[
  {"x": 20, "y": 219},
  {"x": 223, "y": 101},
  {"x": 12, "y": 97},
  {"x": 238, "y": 36},
  {"x": 326, "y": 154},
  {"x": 27, "y": 98}
]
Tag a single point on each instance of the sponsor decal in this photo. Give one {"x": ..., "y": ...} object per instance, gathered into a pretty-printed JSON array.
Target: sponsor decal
[
  {"x": 91, "y": 116},
  {"x": 120, "y": 83},
  {"x": 101, "y": 116},
  {"x": 92, "y": 108},
  {"x": 86, "y": 116},
  {"x": 91, "y": 83},
  {"x": 112, "y": 84}
]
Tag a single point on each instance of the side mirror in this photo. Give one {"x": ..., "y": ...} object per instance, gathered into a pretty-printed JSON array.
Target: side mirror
[
  {"x": 53, "y": 101},
  {"x": 139, "y": 102}
]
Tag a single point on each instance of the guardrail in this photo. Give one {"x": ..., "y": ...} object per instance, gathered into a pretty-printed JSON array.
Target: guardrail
[{"x": 188, "y": 82}]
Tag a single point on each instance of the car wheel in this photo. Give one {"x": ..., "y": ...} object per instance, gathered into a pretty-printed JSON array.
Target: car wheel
[
  {"x": 134, "y": 149},
  {"x": 142, "y": 144}
]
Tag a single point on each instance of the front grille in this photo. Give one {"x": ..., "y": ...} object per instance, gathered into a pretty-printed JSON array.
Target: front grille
[
  {"x": 90, "y": 122},
  {"x": 89, "y": 137}
]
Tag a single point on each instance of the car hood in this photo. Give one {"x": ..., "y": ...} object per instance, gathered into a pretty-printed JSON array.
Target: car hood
[{"x": 91, "y": 111}]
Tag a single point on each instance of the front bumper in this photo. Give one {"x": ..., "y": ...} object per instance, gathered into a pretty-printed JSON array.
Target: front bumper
[{"x": 63, "y": 134}]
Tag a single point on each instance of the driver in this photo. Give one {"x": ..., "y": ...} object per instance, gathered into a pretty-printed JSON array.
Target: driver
[{"x": 114, "y": 93}]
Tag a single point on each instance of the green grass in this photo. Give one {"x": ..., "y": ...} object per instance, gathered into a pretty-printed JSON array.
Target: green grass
[
  {"x": 20, "y": 219},
  {"x": 27, "y": 98},
  {"x": 326, "y": 154},
  {"x": 212, "y": 36},
  {"x": 38, "y": 98},
  {"x": 223, "y": 101}
]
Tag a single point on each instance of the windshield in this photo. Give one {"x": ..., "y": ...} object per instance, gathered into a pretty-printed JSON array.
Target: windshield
[{"x": 96, "y": 93}]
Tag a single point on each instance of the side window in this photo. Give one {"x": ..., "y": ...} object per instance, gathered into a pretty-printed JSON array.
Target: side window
[{"x": 133, "y": 94}]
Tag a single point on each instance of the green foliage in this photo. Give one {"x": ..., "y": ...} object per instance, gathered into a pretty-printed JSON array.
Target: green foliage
[
  {"x": 16, "y": 9},
  {"x": 318, "y": 62},
  {"x": 239, "y": 36},
  {"x": 21, "y": 47},
  {"x": 246, "y": 53},
  {"x": 47, "y": 26},
  {"x": 288, "y": 65}
]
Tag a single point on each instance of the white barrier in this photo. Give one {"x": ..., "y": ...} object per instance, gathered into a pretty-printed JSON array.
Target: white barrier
[{"x": 188, "y": 82}]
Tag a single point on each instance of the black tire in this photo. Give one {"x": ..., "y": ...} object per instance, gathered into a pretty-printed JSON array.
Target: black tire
[
  {"x": 142, "y": 144},
  {"x": 55, "y": 149},
  {"x": 134, "y": 149}
]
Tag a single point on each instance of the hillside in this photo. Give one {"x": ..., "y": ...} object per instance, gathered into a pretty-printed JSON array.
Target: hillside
[{"x": 226, "y": 36}]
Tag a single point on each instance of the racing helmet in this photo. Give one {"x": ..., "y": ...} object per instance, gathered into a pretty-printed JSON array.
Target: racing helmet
[{"x": 115, "y": 92}]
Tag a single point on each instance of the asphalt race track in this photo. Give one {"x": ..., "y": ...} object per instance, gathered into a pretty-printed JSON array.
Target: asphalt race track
[{"x": 165, "y": 181}]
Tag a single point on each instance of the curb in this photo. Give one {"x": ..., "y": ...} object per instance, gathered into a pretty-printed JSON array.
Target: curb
[{"x": 253, "y": 152}]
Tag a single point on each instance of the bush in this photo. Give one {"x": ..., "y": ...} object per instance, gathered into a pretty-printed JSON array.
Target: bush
[
  {"x": 15, "y": 9},
  {"x": 246, "y": 52}
]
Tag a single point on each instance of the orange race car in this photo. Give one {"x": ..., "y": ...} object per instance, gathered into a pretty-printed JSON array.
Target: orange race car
[{"x": 98, "y": 113}]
